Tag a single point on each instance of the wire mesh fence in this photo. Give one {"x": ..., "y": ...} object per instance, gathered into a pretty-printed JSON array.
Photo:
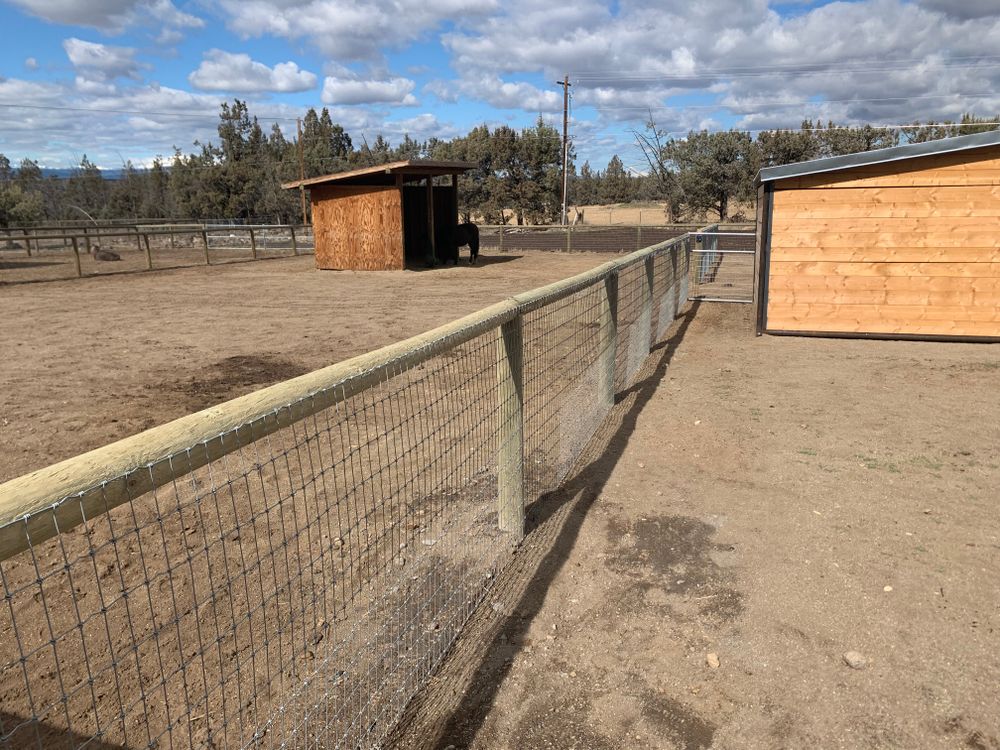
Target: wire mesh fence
[
  {"x": 616, "y": 239},
  {"x": 287, "y": 569},
  {"x": 723, "y": 266}
]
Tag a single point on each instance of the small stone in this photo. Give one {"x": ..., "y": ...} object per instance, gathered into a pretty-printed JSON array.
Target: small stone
[
  {"x": 855, "y": 660},
  {"x": 697, "y": 422},
  {"x": 712, "y": 660},
  {"x": 338, "y": 542},
  {"x": 887, "y": 589},
  {"x": 641, "y": 465}
]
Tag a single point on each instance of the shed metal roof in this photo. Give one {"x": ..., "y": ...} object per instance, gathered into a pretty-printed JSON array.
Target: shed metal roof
[
  {"x": 881, "y": 156},
  {"x": 378, "y": 175}
]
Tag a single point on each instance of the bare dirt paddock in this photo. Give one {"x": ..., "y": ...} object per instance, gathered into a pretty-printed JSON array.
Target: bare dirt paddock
[
  {"x": 749, "y": 498},
  {"x": 89, "y": 361},
  {"x": 776, "y": 503}
]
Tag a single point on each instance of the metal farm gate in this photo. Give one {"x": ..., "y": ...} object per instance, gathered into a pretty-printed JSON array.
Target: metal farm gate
[{"x": 722, "y": 265}]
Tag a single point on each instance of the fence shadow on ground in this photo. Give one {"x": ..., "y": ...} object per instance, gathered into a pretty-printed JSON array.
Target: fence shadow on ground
[
  {"x": 52, "y": 738},
  {"x": 458, "y": 699}
]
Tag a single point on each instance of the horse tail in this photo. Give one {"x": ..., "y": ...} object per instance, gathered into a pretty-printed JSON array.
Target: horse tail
[{"x": 473, "y": 243}]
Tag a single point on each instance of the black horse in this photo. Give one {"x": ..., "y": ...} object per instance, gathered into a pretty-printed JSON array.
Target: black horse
[{"x": 467, "y": 234}]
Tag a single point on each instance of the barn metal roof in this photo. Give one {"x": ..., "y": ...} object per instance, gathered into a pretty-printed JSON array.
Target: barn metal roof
[
  {"x": 881, "y": 156},
  {"x": 380, "y": 174}
]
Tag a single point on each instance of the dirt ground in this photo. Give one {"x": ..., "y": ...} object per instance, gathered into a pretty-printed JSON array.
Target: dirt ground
[
  {"x": 94, "y": 360},
  {"x": 774, "y": 502},
  {"x": 755, "y": 509}
]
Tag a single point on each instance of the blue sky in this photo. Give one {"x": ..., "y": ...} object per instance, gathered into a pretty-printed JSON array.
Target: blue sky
[{"x": 132, "y": 79}]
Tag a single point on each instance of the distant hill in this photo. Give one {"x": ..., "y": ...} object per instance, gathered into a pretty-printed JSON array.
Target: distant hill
[{"x": 64, "y": 173}]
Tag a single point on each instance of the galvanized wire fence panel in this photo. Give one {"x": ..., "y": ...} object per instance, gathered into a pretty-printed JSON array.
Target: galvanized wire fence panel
[
  {"x": 617, "y": 239},
  {"x": 293, "y": 579},
  {"x": 722, "y": 266}
]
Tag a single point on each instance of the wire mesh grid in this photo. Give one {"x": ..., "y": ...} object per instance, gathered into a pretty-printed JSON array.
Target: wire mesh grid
[
  {"x": 294, "y": 593},
  {"x": 562, "y": 360},
  {"x": 616, "y": 239},
  {"x": 297, "y": 589},
  {"x": 723, "y": 266}
]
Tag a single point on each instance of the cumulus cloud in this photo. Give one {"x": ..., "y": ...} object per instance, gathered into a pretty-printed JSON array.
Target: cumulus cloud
[
  {"x": 30, "y": 63},
  {"x": 353, "y": 90},
  {"x": 739, "y": 57},
  {"x": 227, "y": 71},
  {"x": 109, "y": 15},
  {"x": 101, "y": 62},
  {"x": 346, "y": 29}
]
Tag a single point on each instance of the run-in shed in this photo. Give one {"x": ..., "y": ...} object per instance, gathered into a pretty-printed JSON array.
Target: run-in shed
[
  {"x": 901, "y": 242},
  {"x": 379, "y": 218}
]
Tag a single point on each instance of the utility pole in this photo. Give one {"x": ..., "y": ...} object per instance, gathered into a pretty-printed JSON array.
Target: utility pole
[
  {"x": 565, "y": 175},
  {"x": 302, "y": 169}
]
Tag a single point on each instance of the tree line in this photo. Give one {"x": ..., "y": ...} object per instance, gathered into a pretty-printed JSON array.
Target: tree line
[{"x": 517, "y": 178}]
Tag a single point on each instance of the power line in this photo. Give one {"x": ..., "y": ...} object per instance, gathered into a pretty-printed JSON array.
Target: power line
[
  {"x": 141, "y": 113},
  {"x": 776, "y": 104},
  {"x": 594, "y": 78}
]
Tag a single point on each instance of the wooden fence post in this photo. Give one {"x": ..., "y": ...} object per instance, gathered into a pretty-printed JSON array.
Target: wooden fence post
[
  {"x": 204, "y": 242},
  {"x": 253, "y": 245},
  {"x": 138, "y": 240},
  {"x": 76, "y": 258},
  {"x": 608, "y": 340},
  {"x": 510, "y": 435},
  {"x": 27, "y": 242},
  {"x": 501, "y": 238},
  {"x": 569, "y": 239},
  {"x": 638, "y": 237},
  {"x": 86, "y": 239},
  {"x": 295, "y": 245},
  {"x": 149, "y": 253}
]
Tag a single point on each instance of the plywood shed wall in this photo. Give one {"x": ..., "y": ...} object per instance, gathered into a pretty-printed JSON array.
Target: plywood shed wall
[
  {"x": 897, "y": 249},
  {"x": 358, "y": 228}
]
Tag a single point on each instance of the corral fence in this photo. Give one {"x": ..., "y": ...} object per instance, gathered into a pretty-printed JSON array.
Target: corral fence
[
  {"x": 723, "y": 263},
  {"x": 287, "y": 569},
  {"x": 584, "y": 238},
  {"x": 51, "y": 253}
]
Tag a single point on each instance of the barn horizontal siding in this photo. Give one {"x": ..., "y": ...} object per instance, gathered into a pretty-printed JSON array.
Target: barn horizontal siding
[{"x": 900, "y": 248}]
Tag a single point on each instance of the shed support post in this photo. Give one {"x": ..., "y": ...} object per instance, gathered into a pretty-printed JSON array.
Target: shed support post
[
  {"x": 430, "y": 220},
  {"x": 295, "y": 244},
  {"x": 510, "y": 433},
  {"x": 608, "y": 346},
  {"x": 253, "y": 244},
  {"x": 204, "y": 243},
  {"x": 149, "y": 253},
  {"x": 76, "y": 258}
]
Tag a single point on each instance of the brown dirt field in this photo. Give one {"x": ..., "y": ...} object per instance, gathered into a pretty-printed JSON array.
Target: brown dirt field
[
  {"x": 775, "y": 502},
  {"x": 94, "y": 360}
]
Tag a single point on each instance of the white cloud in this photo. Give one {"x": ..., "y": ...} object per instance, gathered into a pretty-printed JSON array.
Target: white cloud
[
  {"x": 346, "y": 29},
  {"x": 30, "y": 63},
  {"x": 227, "y": 71},
  {"x": 345, "y": 90},
  {"x": 101, "y": 62},
  {"x": 109, "y": 15}
]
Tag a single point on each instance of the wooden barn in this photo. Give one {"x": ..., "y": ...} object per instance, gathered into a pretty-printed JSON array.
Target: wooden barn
[
  {"x": 902, "y": 242},
  {"x": 381, "y": 218}
]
